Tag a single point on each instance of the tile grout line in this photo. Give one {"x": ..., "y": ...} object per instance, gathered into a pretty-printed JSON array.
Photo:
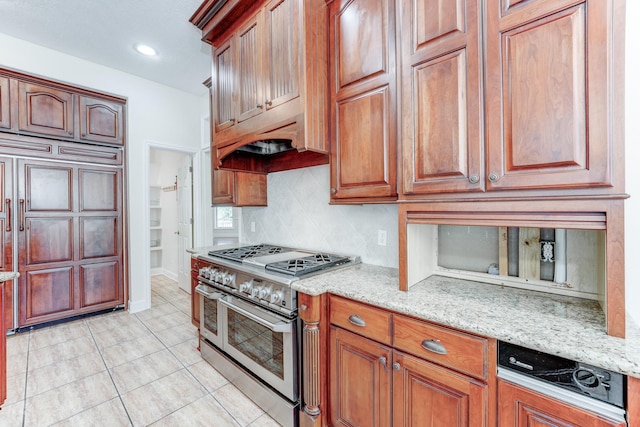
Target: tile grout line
[{"x": 26, "y": 379}]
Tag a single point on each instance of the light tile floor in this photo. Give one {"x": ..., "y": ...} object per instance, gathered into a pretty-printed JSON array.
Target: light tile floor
[{"x": 122, "y": 369}]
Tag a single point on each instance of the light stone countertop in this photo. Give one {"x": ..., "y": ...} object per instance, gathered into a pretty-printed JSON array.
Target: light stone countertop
[
  {"x": 569, "y": 327},
  {"x": 8, "y": 275}
]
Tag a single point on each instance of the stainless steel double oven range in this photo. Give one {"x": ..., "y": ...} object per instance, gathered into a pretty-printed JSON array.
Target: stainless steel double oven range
[{"x": 249, "y": 320}]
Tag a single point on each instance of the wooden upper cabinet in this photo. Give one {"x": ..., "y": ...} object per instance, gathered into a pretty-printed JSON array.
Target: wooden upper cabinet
[
  {"x": 362, "y": 81},
  {"x": 521, "y": 407},
  {"x": 238, "y": 188},
  {"x": 101, "y": 121},
  {"x": 45, "y": 110},
  {"x": 250, "y": 69},
  {"x": 223, "y": 88},
  {"x": 5, "y": 103},
  {"x": 282, "y": 52},
  {"x": 549, "y": 94},
  {"x": 442, "y": 103}
]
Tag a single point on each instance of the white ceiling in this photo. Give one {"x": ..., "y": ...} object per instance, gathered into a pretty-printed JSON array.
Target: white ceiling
[{"x": 105, "y": 32}]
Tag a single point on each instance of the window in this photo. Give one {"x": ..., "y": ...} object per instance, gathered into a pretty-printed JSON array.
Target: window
[{"x": 224, "y": 218}]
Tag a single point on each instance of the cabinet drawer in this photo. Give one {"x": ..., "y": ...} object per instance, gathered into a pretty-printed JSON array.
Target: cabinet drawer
[
  {"x": 452, "y": 349},
  {"x": 361, "y": 319}
]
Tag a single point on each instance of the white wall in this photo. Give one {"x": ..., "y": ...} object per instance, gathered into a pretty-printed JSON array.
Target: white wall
[
  {"x": 156, "y": 113},
  {"x": 632, "y": 153},
  {"x": 299, "y": 215}
]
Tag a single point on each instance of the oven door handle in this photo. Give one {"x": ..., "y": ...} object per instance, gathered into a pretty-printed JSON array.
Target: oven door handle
[
  {"x": 202, "y": 290},
  {"x": 282, "y": 326}
]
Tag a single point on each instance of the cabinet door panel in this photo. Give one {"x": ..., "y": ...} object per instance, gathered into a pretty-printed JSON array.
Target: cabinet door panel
[
  {"x": 223, "y": 87},
  {"x": 425, "y": 394},
  {"x": 98, "y": 190},
  {"x": 98, "y": 237},
  {"x": 99, "y": 284},
  {"x": 249, "y": 70},
  {"x": 45, "y": 110},
  {"x": 5, "y": 105},
  {"x": 361, "y": 41},
  {"x": 520, "y": 407},
  {"x": 48, "y": 240},
  {"x": 48, "y": 188},
  {"x": 365, "y": 145},
  {"x": 548, "y": 95},
  {"x": 360, "y": 389},
  {"x": 442, "y": 98},
  {"x": 46, "y": 293},
  {"x": 283, "y": 29},
  {"x": 101, "y": 121}
]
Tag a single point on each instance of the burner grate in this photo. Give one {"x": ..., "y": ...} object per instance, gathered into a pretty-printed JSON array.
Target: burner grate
[
  {"x": 306, "y": 265},
  {"x": 238, "y": 254}
]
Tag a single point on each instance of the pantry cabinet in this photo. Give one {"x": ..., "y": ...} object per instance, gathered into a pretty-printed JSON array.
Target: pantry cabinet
[
  {"x": 390, "y": 369},
  {"x": 7, "y": 208},
  {"x": 238, "y": 188},
  {"x": 520, "y": 407},
  {"x": 362, "y": 82}
]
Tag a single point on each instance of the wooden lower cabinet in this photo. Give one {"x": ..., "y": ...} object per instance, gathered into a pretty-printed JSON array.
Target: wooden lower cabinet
[
  {"x": 196, "y": 265},
  {"x": 3, "y": 350},
  {"x": 520, "y": 407},
  {"x": 373, "y": 383},
  {"x": 360, "y": 390}
]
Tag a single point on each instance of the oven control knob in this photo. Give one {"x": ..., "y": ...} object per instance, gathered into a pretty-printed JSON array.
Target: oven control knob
[
  {"x": 229, "y": 279},
  {"x": 204, "y": 272},
  {"x": 265, "y": 292},
  {"x": 221, "y": 276},
  {"x": 255, "y": 292},
  {"x": 246, "y": 286},
  {"x": 276, "y": 297}
]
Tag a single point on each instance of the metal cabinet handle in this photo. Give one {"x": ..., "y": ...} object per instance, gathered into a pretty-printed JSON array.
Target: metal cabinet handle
[
  {"x": 474, "y": 179},
  {"x": 434, "y": 346},
  {"x": 334, "y": 191},
  {"x": 354, "y": 319},
  {"x": 396, "y": 366},
  {"x": 7, "y": 203},
  {"x": 258, "y": 105},
  {"x": 268, "y": 102},
  {"x": 21, "y": 214},
  {"x": 383, "y": 361},
  {"x": 493, "y": 177}
]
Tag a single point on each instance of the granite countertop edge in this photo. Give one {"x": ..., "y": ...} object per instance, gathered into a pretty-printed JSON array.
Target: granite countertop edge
[
  {"x": 8, "y": 275},
  {"x": 569, "y": 327}
]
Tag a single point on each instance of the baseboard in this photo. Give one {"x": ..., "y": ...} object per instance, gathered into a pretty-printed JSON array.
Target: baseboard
[
  {"x": 140, "y": 305},
  {"x": 170, "y": 274}
]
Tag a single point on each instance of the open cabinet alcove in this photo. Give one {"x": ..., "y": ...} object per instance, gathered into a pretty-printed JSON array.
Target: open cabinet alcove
[{"x": 606, "y": 214}]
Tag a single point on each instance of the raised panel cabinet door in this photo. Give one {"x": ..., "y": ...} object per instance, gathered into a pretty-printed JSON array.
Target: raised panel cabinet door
[
  {"x": 520, "y": 407},
  {"x": 99, "y": 189},
  {"x": 5, "y": 103},
  {"x": 549, "y": 94},
  {"x": 441, "y": 109},
  {"x": 100, "y": 284},
  {"x": 282, "y": 25},
  {"x": 45, "y": 110},
  {"x": 360, "y": 380},
  {"x": 224, "y": 86},
  {"x": 195, "y": 300},
  {"x": 429, "y": 395},
  {"x": 363, "y": 101},
  {"x": 45, "y": 295},
  {"x": 250, "y": 68},
  {"x": 7, "y": 218},
  {"x": 101, "y": 121},
  {"x": 222, "y": 187}
]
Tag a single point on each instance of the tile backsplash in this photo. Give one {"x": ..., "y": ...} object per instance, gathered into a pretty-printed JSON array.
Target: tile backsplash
[{"x": 299, "y": 215}]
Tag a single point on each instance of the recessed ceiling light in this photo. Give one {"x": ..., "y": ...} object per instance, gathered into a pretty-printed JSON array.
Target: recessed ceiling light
[{"x": 146, "y": 50}]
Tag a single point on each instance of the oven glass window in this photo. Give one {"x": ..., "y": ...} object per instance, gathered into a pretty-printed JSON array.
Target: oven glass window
[
  {"x": 257, "y": 342},
  {"x": 211, "y": 315}
]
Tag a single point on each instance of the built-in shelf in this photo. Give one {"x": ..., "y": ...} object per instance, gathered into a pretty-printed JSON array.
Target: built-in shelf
[{"x": 155, "y": 227}]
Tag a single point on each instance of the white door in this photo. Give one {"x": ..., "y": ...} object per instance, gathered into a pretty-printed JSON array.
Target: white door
[{"x": 185, "y": 224}]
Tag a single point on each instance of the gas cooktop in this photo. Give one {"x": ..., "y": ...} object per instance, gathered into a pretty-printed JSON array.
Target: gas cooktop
[{"x": 280, "y": 259}]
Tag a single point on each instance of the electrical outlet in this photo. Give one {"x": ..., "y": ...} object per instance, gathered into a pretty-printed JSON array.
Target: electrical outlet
[
  {"x": 253, "y": 227},
  {"x": 382, "y": 237}
]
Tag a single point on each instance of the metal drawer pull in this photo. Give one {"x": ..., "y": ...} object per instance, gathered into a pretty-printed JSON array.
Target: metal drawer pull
[
  {"x": 434, "y": 346},
  {"x": 354, "y": 319},
  {"x": 7, "y": 203}
]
